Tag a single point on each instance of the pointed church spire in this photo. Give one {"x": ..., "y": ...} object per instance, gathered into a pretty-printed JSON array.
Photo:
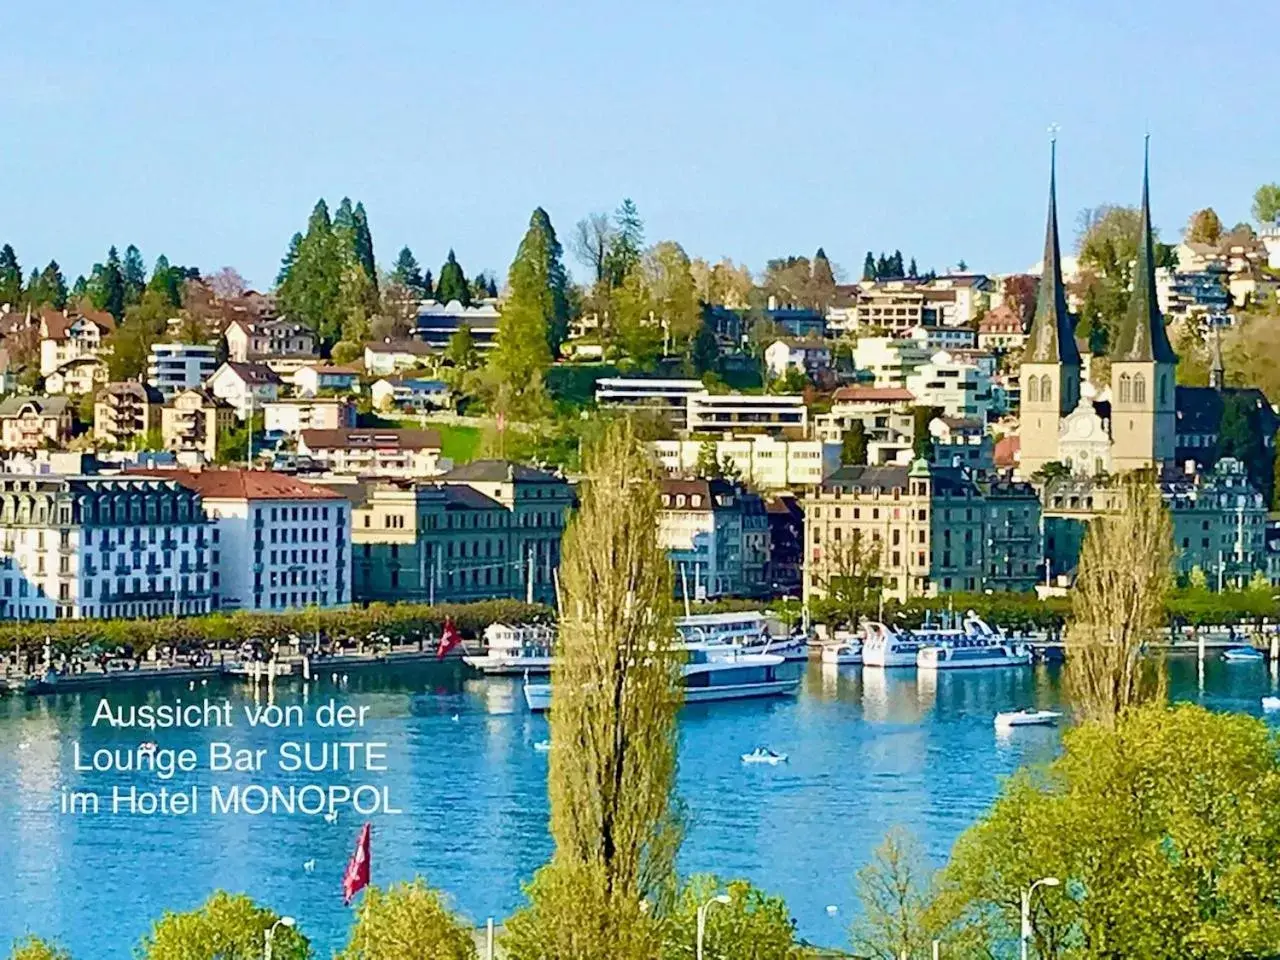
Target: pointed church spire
[
  {"x": 1218, "y": 371},
  {"x": 1142, "y": 336},
  {"x": 1052, "y": 337}
]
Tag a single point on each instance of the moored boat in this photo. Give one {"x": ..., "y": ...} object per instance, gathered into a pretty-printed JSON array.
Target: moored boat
[
  {"x": 1030, "y": 717},
  {"x": 712, "y": 672},
  {"x": 764, "y": 755},
  {"x": 750, "y": 630},
  {"x": 972, "y": 653},
  {"x": 1243, "y": 655},
  {"x": 1270, "y": 704},
  {"x": 514, "y": 650},
  {"x": 847, "y": 653},
  {"x": 887, "y": 647}
]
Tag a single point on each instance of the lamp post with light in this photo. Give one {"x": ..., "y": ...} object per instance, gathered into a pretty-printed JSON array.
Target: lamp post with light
[
  {"x": 282, "y": 922},
  {"x": 1026, "y": 910},
  {"x": 702, "y": 920}
]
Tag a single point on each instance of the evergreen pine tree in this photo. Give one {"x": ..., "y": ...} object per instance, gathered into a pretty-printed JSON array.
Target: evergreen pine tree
[
  {"x": 453, "y": 283},
  {"x": 822, "y": 272},
  {"x": 896, "y": 269},
  {"x": 627, "y": 243},
  {"x": 167, "y": 281},
  {"x": 364, "y": 246},
  {"x": 10, "y": 277},
  {"x": 911, "y": 270},
  {"x": 32, "y": 288},
  {"x": 289, "y": 259},
  {"x": 135, "y": 275},
  {"x": 407, "y": 273},
  {"x": 882, "y": 267},
  {"x": 106, "y": 286},
  {"x": 869, "y": 267},
  {"x": 479, "y": 286},
  {"x": 493, "y": 288},
  {"x": 313, "y": 288},
  {"x": 48, "y": 289},
  {"x": 80, "y": 289},
  {"x": 428, "y": 288}
]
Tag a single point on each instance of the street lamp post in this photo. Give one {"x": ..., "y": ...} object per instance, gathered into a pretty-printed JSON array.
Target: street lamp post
[
  {"x": 282, "y": 922},
  {"x": 702, "y": 920},
  {"x": 1025, "y": 938}
]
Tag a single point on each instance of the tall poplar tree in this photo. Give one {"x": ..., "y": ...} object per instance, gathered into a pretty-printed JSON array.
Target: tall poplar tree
[
  {"x": 452, "y": 284},
  {"x": 612, "y": 764}
]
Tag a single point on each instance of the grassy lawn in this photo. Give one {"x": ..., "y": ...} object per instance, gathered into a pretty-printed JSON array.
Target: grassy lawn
[{"x": 458, "y": 443}]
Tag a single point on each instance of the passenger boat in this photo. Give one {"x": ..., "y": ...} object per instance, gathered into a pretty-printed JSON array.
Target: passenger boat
[
  {"x": 847, "y": 653},
  {"x": 514, "y": 651},
  {"x": 973, "y": 652},
  {"x": 750, "y": 630},
  {"x": 1030, "y": 717},
  {"x": 764, "y": 755},
  {"x": 1243, "y": 655},
  {"x": 887, "y": 647},
  {"x": 1270, "y": 704},
  {"x": 712, "y": 672}
]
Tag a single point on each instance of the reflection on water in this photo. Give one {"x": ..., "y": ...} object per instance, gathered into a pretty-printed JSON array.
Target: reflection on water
[{"x": 867, "y": 749}]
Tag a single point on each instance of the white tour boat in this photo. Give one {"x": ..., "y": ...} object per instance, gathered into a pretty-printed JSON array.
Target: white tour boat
[
  {"x": 1030, "y": 717},
  {"x": 973, "y": 652},
  {"x": 887, "y": 647},
  {"x": 514, "y": 651},
  {"x": 1243, "y": 655},
  {"x": 1270, "y": 704},
  {"x": 843, "y": 653},
  {"x": 712, "y": 672},
  {"x": 764, "y": 755},
  {"x": 751, "y": 630}
]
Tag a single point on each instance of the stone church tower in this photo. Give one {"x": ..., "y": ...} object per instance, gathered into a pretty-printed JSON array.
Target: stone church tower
[
  {"x": 1143, "y": 364},
  {"x": 1050, "y": 371}
]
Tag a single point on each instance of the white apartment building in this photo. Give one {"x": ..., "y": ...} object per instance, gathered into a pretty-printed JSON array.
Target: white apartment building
[
  {"x": 889, "y": 359},
  {"x": 84, "y": 547},
  {"x": 64, "y": 338},
  {"x": 174, "y": 367},
  {"x": 747, "y": 413},
  {"x": 282, "y": 344},
  {"x": 277, "y": 543},
  {"x": 960, "y": 389},
  {"x": 289, "y": 417},
  {"x": 766, "y": 462},
  {"x": 374, "y": 452},
  {"x": 246, "y": 386},
  {"x": 668, "y": 397}
]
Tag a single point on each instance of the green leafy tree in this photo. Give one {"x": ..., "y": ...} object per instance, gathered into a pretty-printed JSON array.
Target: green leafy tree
[
  {"x": 134, "y": 271},
  {"x": 672, "y": 292},
  {"x": 895, "y": 890},
  {"x": 704, "y": 350},
  {"x": 461, "y": 351},
  {"x": 33, "y": 948},
  {"x": 636, "y": 333},
  {"x": 453, "y": 283},
  {"x": 106, "y": 289},
  {"x": 1162, "y": 832},
  {"x": 145, "y": 323},
  {"x": 1266, "y": 205},
  {"x": 1242, "y": 435},
  {"x": 166, "y": 281},
  {"x": 848, "y": 578},
  {"x": 922, "y": 439},
  {"x": 611, "y": 779},
  {"x": 751, "y": 926},
  {"x": 407, "y": 921},
  {"x": 227, "y": 927},
  {"x": 853, "y": 444},
  {"x": 10, "y": 277},
  {"x": 869, "y": 271},
  {"x": 1204, "y": 227}
]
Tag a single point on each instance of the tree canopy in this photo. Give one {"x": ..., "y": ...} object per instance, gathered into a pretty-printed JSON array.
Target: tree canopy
[
  {"x": 227, "y": 927},
  {"x": 407, "y": 921},
  {"x": 452, "y": 284}
]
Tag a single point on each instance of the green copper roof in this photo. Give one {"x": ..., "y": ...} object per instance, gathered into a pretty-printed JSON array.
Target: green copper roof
[
  {"x": 1142, "y": 336},
  {"x": 1052, "y": 337}
]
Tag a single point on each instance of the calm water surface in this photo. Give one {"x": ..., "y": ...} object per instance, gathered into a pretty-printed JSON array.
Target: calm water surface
[{"x": 868, "y": 750}]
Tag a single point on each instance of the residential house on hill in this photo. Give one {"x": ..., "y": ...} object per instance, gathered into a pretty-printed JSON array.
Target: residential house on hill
[
  {"x": 282, "y": 344},
  {"x": 374, "y": 451},
  {"x": 395, "y": 356},
  {"x": 125, "y": 412},
  {"x": 34, "y": 423},
  {"x": 314, "y": 380},
  {"x": 411, "y": 393},
  {"x": 436, "y": 323},
  {"x": 77, "y": 377},
  {"x": 65, "y": 337},
  {"x": 812, "y": 357},
  {"x": 193, "y": 420},
  {"x": 246, "y": 386}
]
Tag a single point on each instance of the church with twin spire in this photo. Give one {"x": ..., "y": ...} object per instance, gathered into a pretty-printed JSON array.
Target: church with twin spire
[{"x": 1137, "y": 427}]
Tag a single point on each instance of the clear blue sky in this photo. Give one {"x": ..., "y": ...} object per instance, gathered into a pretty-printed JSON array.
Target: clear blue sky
[{"x": 207, "y": 130}]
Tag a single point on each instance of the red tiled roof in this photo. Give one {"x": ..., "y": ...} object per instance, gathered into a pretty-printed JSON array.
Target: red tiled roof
[
  {"x": 882, "y": 394},
  {"x": 1007, "y": 451},
  {"x": 245, "y": 485}
]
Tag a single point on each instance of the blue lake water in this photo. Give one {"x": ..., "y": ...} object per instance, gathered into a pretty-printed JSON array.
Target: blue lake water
[{"x": 868, "y": 750}]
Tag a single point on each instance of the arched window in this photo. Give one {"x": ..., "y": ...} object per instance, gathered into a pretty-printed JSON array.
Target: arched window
[
  {"x": 1046, "y": 389},
  {"x": 1139, "y": 388},
  {"x": 1126, "y": 388},
  {"x": 1033, "y": 388}
]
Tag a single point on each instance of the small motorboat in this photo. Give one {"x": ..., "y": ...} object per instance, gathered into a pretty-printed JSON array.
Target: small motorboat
[
  {"x": 1243, "y": 655},
  {"x": 542, "y": 746},
  {"x": 764, "y": 755},
  {"x": 844, "y": 654},
  {"x": 1030, "y": 717},
  {"x": 1271, "y": 704}
]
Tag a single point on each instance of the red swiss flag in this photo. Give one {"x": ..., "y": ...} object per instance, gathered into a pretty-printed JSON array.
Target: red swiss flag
[
  {"x": 449, "y": 638},
  {"x": 357, "y": 876}
]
